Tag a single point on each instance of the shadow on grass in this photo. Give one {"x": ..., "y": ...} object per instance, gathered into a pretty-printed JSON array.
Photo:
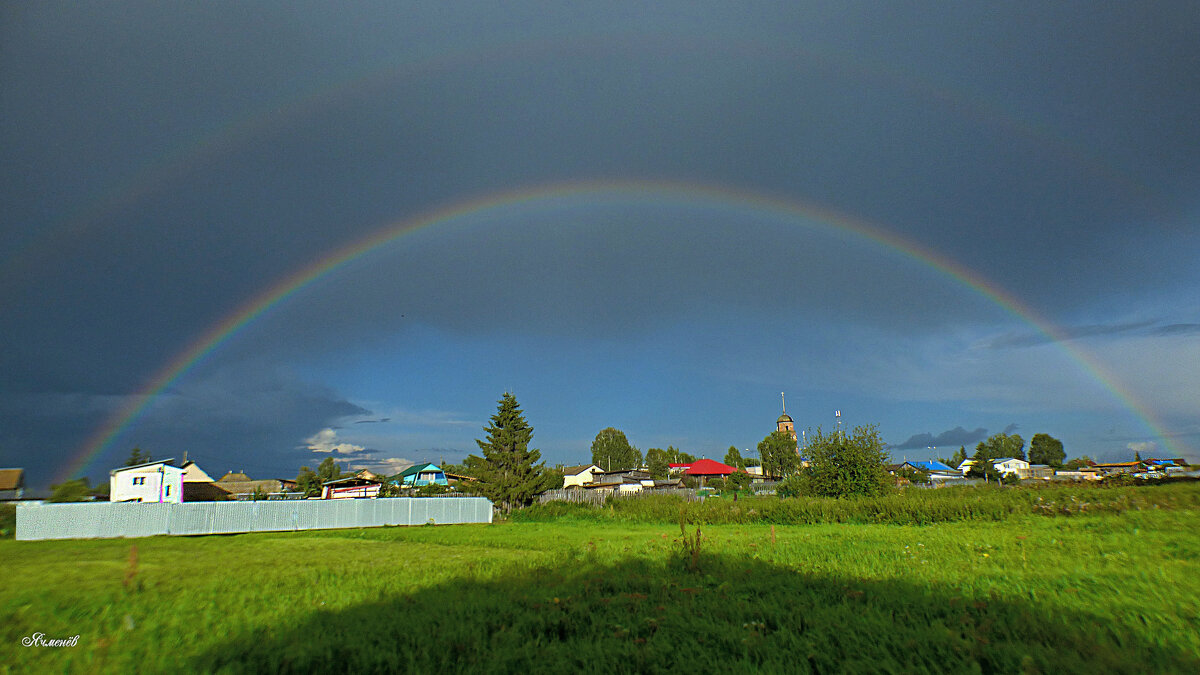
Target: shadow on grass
[{"x": 653, "y": 616}]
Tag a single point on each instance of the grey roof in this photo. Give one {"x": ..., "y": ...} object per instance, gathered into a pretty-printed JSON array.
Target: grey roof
[
  {"x": 140, "y": 466},
  {"x": 576, "y": 470}
]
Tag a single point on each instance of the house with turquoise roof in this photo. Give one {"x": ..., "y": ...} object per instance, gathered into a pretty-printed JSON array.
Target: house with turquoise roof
[{"x": 421, "y": 474}]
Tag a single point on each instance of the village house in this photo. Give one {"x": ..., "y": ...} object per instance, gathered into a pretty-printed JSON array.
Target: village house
[
  {"x": 242, "y": 487},
  {"x": 578, "y": 475},
  {"x": 704, "y": 469},
  {"x": 198, "y": 486},
  {"x": 1005, "y": 465},
  {"x": 1082, "y": 473},
  {"x": 1113, "y": 468},
  {"x": 12, "y": 484},
  {"x": 419, "y": 475},
  {"x": 150, "y": 482},
  {"x": 677, "y": 469},
  {"x": 620, "y": 480},
  {"x": 939, "y": 473},
  {"x": 352, "y": 487}
]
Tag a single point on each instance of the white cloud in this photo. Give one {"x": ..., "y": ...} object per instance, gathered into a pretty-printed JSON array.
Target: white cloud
[
  {"x": 1143, "y": 446},
  {"x": 387, "y": 466},
  {"x": 326, "y": 440}
]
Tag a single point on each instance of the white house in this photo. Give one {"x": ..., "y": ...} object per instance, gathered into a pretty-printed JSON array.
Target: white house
[
  {"x": 151, "y": 482},
  {"x": 578, "y": 475},
  {"x": 1005, "y": 465}
]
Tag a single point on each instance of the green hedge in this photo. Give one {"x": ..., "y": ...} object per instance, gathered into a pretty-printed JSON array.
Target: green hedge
[{"x": 906, "y": 507}]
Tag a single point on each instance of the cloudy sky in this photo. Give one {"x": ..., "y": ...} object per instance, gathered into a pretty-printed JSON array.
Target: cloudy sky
[{"x": 266, "y": 233}]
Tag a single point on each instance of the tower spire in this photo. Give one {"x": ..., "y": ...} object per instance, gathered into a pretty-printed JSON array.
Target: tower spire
[{"x": 784, "y": 400}]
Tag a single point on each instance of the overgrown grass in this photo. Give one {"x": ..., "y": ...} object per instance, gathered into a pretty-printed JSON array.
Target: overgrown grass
[
  {"x": 1100, "y": 592},
  {"x": 907, "y": 507},
  {"x": 8, "y": 521}
]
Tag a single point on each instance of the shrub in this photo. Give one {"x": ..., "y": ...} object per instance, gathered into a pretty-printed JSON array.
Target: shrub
[{"x": 841, "y": 466}]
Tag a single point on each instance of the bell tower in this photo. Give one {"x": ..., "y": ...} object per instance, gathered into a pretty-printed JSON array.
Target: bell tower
[{"x": 785, "y": 423}]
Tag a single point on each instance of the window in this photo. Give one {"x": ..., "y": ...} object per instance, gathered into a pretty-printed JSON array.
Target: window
[
  {"x": 168, "y": 493},
  {"x": 139, "y": 480}
]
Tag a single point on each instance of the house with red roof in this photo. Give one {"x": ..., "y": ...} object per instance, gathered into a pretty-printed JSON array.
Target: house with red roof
[
  {"x": 708, "y": 468},
  {"x": 676, "y": 469}
]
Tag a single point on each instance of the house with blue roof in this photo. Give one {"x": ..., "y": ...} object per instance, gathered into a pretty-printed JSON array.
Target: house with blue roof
[
  {"x": 938, "y": 472},
  {"x": 418, "y": 475},
  {"x": 930, "y": 466}
]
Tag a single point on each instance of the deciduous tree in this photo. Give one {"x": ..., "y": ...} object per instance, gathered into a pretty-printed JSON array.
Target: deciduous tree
[
  {"x": 329, "y": 470},
  {"x": 1045, "y": 449},
  {"x": 677, "y": 456},
  {"x": 508, "y": 473},
  {"x": 657, "y": 463},
  {"x": 1003, "y": 445},
  {"x": 611, "y": 451},
  {"x": 309, "y": 482},
  {"x": 778, "y": 452},
  {"x": 734, "y": 458},
  {"x": 995, "y": 447}
]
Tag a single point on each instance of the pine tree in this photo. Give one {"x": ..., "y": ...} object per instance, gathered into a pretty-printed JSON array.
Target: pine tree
[
  {"x": 136, "y": 457},
  {"x": 508, "y": 473}
]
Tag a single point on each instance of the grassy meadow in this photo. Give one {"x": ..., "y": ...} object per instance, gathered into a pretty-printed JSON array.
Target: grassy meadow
[{"x": 1111, "y": 588}]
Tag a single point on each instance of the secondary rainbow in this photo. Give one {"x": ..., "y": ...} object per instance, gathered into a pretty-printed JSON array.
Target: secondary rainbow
[{"x": 623, "y": 192}]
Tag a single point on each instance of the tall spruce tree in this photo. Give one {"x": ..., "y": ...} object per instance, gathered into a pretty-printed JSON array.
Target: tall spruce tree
[{"x": 508, "y": 473}]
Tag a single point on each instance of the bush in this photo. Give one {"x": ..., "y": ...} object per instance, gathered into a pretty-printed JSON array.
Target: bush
[
  {"x": 739, "y": 480},
  {"x": 793, "y": 486},
  {"x": 841, "y": 466},
  {"x": 431, "y": 490},
  {"x": 76, "y": 490}
]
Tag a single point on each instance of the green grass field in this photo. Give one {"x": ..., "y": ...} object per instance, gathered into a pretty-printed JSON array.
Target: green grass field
[{"x": 1094, "y": 592}]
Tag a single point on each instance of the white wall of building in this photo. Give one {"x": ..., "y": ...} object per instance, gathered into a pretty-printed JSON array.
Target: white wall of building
[
  {"x": 150, "y": 483},
  {"x": 580, "y": 478}
]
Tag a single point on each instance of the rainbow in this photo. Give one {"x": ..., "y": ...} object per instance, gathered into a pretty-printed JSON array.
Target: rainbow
[{"x": 624, "y": 192}]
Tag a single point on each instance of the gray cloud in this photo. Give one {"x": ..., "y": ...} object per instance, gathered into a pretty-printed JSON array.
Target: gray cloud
[
  {"x": 1177, "y": 329},
  {"x": 956, "y": 436},
  {"x": 1067, "y": 333},
  {"x": 166, "y": 165}
]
